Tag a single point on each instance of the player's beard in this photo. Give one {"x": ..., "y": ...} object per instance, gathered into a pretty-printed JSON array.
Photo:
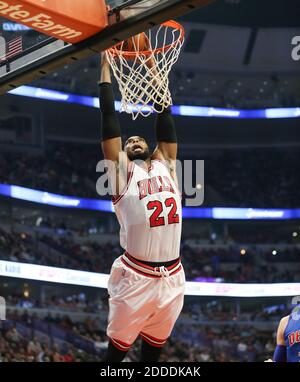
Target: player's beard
[{"x": 144, "y": 155}]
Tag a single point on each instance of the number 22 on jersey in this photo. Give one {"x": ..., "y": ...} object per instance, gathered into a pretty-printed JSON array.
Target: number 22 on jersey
[{"x": 157, "y": 206}]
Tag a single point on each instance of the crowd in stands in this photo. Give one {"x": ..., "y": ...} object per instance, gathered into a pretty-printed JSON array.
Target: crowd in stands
[
  {"x": 240, "y": 178},
  {"x": 75, "y": 302},
  {"x": 60, "y": 170},
  {"x": 224, "y": 311},
  {"x": 26, "y": 338},
  {"x": 246, "y": 265},
  {"x": 220, "y": 344},
  {"x": 58, "y": 307},
  {"x": 264, "y": 236},
  {"x": 255, "y": 265},
  {"x": 256, "y": 178},
  {"x": 223, "y": 345},
  {"x": 92, "y": 256}
]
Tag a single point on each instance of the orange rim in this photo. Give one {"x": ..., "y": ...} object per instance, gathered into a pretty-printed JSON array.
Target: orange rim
[{"x": 125, "y": 53}]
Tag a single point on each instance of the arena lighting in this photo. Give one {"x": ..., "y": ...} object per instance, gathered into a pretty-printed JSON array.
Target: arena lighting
[
  {"x": 63, "y": 201},
  {"x": 99, "y": 280},
  {"x": 252, "y": 213},
  {"x": 13, "y": 27},
  {"x": 187, "y": 111}
]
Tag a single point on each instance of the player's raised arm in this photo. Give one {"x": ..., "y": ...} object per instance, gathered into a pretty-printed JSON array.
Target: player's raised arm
[
  {"x": 166, "y": 135},
  {"x": 165, "y": 132},
  {"x": 110, "y": 126},
  {"x": 116, "y": 159}
]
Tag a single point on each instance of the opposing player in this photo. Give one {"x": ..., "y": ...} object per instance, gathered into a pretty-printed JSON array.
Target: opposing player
[
  {"x": 146, "y": 284},
  {"x": 288, "y": 338}
]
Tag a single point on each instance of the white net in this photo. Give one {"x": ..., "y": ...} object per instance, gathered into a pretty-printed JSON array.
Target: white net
[{"x": 142, "y": 75}]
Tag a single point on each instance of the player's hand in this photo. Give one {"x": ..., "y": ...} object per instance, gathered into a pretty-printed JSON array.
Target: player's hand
[{"x": 269, "y": 360}]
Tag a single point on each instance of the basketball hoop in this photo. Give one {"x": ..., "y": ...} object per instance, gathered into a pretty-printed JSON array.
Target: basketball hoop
[{"x": 141, "y": 66}]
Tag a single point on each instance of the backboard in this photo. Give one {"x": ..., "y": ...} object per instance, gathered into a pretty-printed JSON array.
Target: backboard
[{"x": 26, "y": 54}]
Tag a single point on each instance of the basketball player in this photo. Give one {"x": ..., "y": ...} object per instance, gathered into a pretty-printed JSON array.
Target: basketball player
[
  {"x": 288, "y": 338},
  {"x": 146, "y": 284}
]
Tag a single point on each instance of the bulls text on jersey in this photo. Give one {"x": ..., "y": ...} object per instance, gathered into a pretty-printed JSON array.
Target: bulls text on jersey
[{"x": 154, "y": 185}]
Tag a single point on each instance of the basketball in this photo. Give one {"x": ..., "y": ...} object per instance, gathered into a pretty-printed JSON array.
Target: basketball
[
  {"x": 149, "y": 186},
  {"x": 136, "y": 43}
]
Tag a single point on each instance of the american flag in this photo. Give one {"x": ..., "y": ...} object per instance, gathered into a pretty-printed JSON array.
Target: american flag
[{"x": 13, "y": 47}]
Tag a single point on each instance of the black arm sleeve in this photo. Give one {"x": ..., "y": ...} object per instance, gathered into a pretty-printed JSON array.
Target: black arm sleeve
[
  {"x": 165, "y": 127},
  {"x": 110, "y": 126}
]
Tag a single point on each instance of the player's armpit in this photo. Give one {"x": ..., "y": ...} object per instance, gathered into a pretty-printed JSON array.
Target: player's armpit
[
  {"x": 165, "y": 152},
  {"x": 117, "y": 171},
  {"x": 169, "y": 163},
  {"x": 280, "y": 331},
  {"x": 159, "y": 154},
  {"x": 168, "y": 150},
  {"x": 112, "y": 148},
  {"x": 163, "y": 155}
]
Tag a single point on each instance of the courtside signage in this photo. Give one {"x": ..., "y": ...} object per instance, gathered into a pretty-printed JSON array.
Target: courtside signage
[{"x": 99, "y": 280}]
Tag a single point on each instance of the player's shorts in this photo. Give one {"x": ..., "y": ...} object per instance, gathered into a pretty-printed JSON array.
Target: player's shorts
[{"x": 143, "y": 301}]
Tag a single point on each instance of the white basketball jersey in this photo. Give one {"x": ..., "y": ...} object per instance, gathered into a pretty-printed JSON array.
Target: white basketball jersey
[{"x": 150, "y": 214}]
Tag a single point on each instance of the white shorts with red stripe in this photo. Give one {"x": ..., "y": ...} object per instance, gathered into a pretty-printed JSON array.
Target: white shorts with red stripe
[{"x": 143, "y": 301}]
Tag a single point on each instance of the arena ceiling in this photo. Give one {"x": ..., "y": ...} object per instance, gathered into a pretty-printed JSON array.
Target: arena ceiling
[
  {"x": 249, "y": 13},
  {"x": 217, "y": 76}
]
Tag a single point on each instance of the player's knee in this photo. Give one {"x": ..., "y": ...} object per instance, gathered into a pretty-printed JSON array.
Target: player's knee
[
  {"x": 116, "y": 351},
  {"x": 151, "y": 351},
  {"x": 153, "y": 341},
  {"x": 151, "y": 348}
]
